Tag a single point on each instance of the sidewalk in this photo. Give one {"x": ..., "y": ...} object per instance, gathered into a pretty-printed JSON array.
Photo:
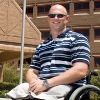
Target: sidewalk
[{"x": 5, "y": 99}]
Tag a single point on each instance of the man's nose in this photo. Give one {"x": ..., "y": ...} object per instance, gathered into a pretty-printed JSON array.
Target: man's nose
[{"x": 56, "y": 16}]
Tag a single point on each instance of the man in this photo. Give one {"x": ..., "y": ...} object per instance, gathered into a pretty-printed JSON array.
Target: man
[
  {"x": 62, "y": 59},
  {"x": 61, "y": 62}
]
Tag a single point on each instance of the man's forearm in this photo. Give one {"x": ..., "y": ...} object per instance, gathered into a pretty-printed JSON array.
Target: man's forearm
[
  {"x": 30, "y": 75},
  {"x": 70, "y": 76}
]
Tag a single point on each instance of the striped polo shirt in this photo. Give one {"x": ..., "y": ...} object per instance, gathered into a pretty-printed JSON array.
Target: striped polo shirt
[{"x": 54, "y": 56}]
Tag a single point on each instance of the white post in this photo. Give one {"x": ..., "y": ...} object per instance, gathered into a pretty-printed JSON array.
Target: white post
[{"x": 22, "y": 42}]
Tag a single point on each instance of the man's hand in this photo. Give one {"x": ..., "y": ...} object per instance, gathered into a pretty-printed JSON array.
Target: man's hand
[{"x": 37, "y": 86}]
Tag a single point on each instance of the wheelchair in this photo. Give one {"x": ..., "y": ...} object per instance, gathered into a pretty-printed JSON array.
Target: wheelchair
[{"x": 83, "y": 93}]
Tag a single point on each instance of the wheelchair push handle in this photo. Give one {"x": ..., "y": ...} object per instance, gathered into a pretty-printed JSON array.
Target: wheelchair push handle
[{"x": 94, "y": 73}]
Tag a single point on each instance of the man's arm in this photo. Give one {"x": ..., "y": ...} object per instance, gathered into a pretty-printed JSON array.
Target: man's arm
[
  {"x": 35, "y": 84},
  {"x": 31, "y": 75},
  {"x": 77, "y": 72}
]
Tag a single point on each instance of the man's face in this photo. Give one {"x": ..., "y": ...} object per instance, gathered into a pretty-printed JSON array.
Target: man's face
[{"x": 57, "y": 18}]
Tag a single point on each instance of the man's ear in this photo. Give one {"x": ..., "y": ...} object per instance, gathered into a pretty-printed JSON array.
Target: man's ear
[
  {"x": 67, "y": 18},
  {"x": 47, "y": 18}
]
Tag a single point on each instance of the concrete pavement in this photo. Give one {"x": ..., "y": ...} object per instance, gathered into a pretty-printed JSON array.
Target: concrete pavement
[{"x": 5, "y": 99}]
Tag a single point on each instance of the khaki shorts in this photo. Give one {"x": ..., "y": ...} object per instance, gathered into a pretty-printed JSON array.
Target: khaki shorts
[{"x": 55, "y": 93}]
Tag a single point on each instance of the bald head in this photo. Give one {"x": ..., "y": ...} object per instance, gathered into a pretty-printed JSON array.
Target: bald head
[{"x": 59, "y": 8}]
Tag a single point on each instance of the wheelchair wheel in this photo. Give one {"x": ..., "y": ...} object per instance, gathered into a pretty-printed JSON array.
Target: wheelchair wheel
[{"x": 82, "y": 93}]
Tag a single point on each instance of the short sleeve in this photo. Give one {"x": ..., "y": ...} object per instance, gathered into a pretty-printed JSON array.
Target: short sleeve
[
  {"x": 80, "y": 50},
  {"x": 35, "y": 63}
]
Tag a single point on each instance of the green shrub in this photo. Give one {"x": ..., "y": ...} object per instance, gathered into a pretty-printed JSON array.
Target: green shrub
[
  {"x": 2, "y": 93},
  {"x": 11, "y": 74},
  {"x": 11, "y": 77},
  {"x": 95, "y": 80},
  {"x": 6, "y": 87}
]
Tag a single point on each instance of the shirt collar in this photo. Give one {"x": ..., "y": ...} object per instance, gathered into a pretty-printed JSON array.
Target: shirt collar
[{"x": 62, "y": 35}]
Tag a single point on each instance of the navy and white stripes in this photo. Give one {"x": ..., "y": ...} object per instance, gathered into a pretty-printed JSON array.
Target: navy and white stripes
[{"x": 53, "y": 57}]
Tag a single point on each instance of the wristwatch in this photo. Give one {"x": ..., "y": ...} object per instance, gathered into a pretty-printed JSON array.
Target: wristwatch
[{"x": 45, "y": 83}]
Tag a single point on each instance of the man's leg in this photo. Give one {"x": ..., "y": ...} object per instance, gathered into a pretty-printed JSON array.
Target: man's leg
[{"x": 59, "y": 92}]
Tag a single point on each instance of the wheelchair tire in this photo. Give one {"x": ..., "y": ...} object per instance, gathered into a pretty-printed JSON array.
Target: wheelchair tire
[{"x": 76, "y": 95}]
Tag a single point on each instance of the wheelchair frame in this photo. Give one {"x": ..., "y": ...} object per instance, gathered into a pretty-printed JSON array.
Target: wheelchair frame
[
  {"x": 83, "y": 93},
  {"x": 80, "y": 92}
]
